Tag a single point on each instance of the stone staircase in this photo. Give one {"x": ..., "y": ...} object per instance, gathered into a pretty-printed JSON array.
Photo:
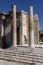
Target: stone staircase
[{"x": 20, "y": 54}]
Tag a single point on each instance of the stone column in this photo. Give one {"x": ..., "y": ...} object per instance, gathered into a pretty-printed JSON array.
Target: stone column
[
  {"x": 37, "y": 27},
  {"x": 20, "y": 30},
  {"x": 14, "y": 27},
  {"x": 31, "y": 31},
  {"x": 22, "y": 19},
  {"x": 2, "y": 26},
  {"x": 2, "y": 33}
]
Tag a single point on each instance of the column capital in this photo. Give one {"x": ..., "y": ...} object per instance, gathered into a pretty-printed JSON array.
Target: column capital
[
  {"x": 31, "y": 7},
  {"x": 14, "y": 6},
  {"x": 22, "y": 11}
]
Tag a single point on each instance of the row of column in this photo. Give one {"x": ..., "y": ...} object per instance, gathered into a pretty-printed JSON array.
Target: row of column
[{"x": 31, "y": 32}]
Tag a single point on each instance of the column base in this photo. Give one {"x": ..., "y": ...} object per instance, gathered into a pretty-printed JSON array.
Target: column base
[{"x": 32, "y": 46}]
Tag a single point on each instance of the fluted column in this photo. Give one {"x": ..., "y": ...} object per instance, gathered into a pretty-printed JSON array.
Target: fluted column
[
  {"x": 14, "y": 27},
  {"x": 31, "y": 31}
]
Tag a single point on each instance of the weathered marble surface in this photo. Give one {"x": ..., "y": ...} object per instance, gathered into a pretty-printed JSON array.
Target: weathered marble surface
[
  {"x": 22, "y": 55},
  {"x": 3, "y": 62}
]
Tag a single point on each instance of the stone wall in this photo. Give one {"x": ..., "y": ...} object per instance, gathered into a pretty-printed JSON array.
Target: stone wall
[
  {"x": 22, "y": 20},
  {"x": 0, "y": 35},
  {"x": 25, "y": 28},
  {"x": 36, "y": 30}
]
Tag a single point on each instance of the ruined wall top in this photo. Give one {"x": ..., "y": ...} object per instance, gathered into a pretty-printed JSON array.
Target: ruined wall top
[{"x": 18, "y": 13}]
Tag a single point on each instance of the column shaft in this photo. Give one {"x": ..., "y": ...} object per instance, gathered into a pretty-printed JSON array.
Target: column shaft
[
  {"x": 31, "y": 37},
  {"x": 22, "y": 17},
  {"x": 14, "y": 27},
  {"x": 2, "y": 33},
  {"x": 37, "y": 28}
]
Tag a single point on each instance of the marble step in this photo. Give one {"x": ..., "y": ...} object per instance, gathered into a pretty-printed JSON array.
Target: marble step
[
  {"x": 22, "y": 58},
  {"x": 23, "y": 55}
]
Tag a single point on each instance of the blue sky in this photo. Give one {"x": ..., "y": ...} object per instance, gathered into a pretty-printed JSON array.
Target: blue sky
[{"x": 5, "y": 5}]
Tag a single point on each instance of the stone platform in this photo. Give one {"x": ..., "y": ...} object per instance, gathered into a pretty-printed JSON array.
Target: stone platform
[{"x": 22, "y": 54}]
